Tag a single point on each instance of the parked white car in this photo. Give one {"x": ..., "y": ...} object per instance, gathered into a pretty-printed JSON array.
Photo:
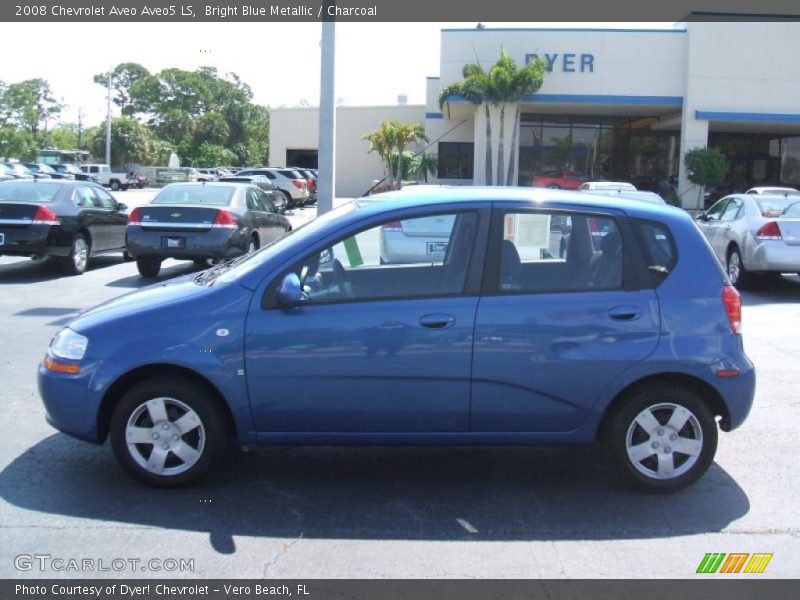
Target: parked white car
[
  {"x": 614, "y": 186},
  {"x": 107, "y": 177},
  {"x": 754, "y": 233},
  {"x": 291, "y": 183},
  {"x": 781, "y": 191}
]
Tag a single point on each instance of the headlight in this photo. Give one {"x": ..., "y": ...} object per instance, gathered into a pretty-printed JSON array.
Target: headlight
[{"x": 68, "y": 344}]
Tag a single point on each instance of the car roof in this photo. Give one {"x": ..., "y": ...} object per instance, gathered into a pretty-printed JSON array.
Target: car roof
[{"x": 524, "y": 196}]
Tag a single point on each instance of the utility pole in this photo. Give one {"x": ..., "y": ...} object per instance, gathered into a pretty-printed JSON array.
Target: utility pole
[
  {"x": 80, "y": 125},
  {"x": 327, "y": 114},
  {"x": 108, "y": 119}
]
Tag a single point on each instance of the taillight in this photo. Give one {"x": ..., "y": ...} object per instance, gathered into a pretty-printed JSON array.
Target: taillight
[
  {"x": 135, "y": 217},
  {"x": 225, "y": 220},
  {"x": 45, "y": 216},
  {"x": 733, "y": 306},
  {"x": 297, "y": 184},
  {"x": 769, "y": 231},
  {"x": 392, "y": 226}
]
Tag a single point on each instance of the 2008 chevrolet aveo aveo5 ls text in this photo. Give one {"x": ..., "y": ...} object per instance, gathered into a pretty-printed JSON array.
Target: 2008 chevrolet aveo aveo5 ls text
[{"x": 629, "y": 335}]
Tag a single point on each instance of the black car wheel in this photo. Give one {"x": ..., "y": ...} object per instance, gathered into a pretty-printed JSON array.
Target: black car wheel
[
  {"x": 735, "y": 268},
  {"x": 78, "y": 259},
  {"x": 662, "y": 438},
  {"x": 148, "y": 267},
  {"x": 114, "y": 185},
  {"x": 168, "y": 431},
  {"x": 289, "y": 201}
]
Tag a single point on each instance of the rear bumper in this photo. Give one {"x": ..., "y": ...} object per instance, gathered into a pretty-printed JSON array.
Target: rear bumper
[
  {"x": 214, "y": 243},
  {"x": 34, "y": 240},
  {"x": 773, "y": 255}
]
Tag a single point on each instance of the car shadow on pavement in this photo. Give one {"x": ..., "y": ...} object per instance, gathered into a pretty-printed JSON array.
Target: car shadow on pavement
[
  {"x": 400, "y": 493},
  {"x": 772, "y": 290},
  {"x": 27, "y": 270}
]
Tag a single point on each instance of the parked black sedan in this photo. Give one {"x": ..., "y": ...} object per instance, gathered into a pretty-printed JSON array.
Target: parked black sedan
[
  {"x": 68, "y": 220},
  {"x": 203, "y": 222},
  {"x": 74, "y": 171}
]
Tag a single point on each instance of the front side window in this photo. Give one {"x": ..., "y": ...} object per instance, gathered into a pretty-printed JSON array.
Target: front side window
[
  {"x": 559, "y": 252},
  {"x": 731, "y": 210},
  {"x": 409, "y": 258},
  {"x": 715, "y": 212}
]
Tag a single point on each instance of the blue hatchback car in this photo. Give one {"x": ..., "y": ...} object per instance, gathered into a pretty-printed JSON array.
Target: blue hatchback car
[{"x": 627, "y": 332}]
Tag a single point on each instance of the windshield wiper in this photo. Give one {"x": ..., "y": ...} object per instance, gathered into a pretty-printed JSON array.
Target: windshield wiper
[{"x": 208, "y": 276}]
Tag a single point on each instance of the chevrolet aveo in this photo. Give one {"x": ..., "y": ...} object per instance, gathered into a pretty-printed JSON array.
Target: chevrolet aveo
[{"x": 495, "y": 335}]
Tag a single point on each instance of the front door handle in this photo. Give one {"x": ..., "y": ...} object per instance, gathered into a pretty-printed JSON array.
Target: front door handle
[
  {"x": 437, "y": 321},
  {"x": 625, "y": 313}
]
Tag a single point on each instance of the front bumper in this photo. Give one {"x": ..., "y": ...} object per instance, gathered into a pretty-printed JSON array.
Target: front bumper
[
  {"x": 214, "y": 243},
  {"x": 73, "y": 402}
]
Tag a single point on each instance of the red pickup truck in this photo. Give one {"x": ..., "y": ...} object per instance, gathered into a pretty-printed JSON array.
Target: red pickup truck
[{"x": 559, "y": 180}]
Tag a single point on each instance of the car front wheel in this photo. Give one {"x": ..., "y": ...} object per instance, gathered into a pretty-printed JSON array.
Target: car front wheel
[
  {"x": 663, "y": 438},
  {"x": 168, "y": 431}
]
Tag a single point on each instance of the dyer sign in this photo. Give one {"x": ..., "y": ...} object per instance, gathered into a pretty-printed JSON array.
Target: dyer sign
[{"x": 567, "y": 62}]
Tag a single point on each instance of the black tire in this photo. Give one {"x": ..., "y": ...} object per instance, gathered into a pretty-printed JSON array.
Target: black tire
[
  {"x": 643, "y": 474},
  {"x": 289, "y": 201},
  {"x": 738, "y": 275},
  {"x": 148, "y": 267},
  {"x": 207, "y": 441},
  {"x": 78, "y": 259},
  {"x": 114, "y": 185}
]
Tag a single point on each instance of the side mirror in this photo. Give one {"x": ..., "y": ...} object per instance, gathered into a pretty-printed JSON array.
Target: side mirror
[
  {"x": 122, "y": 206},
  {"x": 290, "y": 292},
  {"x": 701, "y": 217}
]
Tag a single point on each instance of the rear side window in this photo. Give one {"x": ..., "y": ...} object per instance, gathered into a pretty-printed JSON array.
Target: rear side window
[
  {"x": 290, "y": 174},
  {"x": 660, "y": 251}
]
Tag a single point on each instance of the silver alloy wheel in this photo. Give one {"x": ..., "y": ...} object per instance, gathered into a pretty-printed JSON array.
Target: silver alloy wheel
[
  {"x": 664, "y": 441},
  {"x": 80, "y": 253},
  {"x": 165, "y": 436},
  {"x": 734, "y": 267}
]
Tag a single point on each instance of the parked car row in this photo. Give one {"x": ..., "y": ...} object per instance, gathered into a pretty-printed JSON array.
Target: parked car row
[
  {"x": 72, "y": 221},
  {"x": 299, "y": 186},
  {"x": 464, "y": 331}
]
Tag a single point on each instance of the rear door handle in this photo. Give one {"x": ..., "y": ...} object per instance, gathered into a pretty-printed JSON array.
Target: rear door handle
[
  {"x": 437, "y": 321},
  {"x": 625, "y": 313}
]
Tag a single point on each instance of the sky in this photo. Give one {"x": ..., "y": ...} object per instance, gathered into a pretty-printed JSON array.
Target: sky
[{"x": 375, "y": 62}]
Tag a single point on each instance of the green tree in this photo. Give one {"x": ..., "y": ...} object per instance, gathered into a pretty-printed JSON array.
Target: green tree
[
  {"x": 17, "y": 143},
  {"x": 131, "y": 142},
  {"x": 390, "y": 141},
  {"x": 123, "y": 79},
  {"x": 211, "y": 128},
  {"x": 31, "y": 105},
  {"x": 505, "y": 83},
  {"x": 705, "y": 167}
]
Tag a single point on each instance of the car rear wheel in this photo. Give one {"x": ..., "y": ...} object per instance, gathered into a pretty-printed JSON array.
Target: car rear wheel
[
  {"x": 253, "y": 245},
  {"x": 735, "y": 268},
  {"x": 289, "y": 200},
  {"x": 663, "y": 438},
  {"x": 78, "y": 259},
  {"x": 168, "y": 431},
  {"x": 148, "y": 267}
]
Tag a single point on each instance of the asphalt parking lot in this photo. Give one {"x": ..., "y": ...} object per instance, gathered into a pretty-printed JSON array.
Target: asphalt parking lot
[{"x": 385, "y": 512}]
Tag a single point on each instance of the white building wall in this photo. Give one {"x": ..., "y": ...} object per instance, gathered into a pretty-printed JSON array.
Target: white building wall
[{"x": 297, "y": 128}]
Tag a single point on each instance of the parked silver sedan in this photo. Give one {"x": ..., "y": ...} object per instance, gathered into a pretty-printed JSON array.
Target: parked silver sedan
[{"x": 754, "y": 233}]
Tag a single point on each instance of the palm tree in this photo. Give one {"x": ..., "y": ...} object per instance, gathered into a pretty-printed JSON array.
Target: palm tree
[
  {"x": 505, "y": 83},
  {"x": 390, "y": 141}
]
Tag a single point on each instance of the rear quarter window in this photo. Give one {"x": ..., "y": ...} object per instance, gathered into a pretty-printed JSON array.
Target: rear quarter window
[{"x": 660, "y": 250}]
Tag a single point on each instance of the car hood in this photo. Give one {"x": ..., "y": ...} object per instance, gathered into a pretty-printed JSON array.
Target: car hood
[{"x": 168, "y": 294}]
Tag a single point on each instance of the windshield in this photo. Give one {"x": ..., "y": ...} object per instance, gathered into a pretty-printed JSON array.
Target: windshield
[
  {"x": 306, "y": 232},
  {"x": 28, "y": 191},
  {"x": 195, "y": 194}
]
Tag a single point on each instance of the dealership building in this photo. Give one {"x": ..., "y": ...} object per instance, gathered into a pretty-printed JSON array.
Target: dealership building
[{"x": 620, "y": 104}]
